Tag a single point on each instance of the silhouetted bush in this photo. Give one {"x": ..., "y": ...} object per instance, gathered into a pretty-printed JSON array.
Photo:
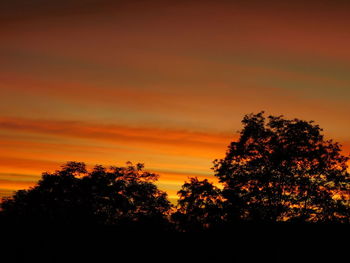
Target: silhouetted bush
[{"x": 199, "y": 207}]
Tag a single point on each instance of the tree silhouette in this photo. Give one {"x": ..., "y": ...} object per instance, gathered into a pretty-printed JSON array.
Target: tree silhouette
[
  {"x": 279, "y": 170},
  {"x": 119, "y": 196},
  {"x": 199, "y": 206},
  {"x": 284, "y": 170}
]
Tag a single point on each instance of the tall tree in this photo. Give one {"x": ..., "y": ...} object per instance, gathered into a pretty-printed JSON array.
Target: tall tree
[{"x": 284, "y": 170}]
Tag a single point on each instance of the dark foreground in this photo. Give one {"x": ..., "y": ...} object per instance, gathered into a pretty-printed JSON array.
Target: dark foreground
[{"x": 240, "y": 243}]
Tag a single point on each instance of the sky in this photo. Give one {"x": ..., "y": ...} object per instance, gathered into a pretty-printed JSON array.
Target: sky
[{"x": 164, "y": 83}]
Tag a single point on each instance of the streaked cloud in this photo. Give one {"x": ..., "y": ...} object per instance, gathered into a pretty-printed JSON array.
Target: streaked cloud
[{"x": 159, "y": 82}]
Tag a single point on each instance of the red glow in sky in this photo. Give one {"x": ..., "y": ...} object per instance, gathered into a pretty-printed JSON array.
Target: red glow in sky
[{"x": 159, "y": 82}]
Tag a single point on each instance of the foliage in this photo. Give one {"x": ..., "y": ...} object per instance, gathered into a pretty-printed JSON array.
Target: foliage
[
  {"x": 199, "y": 206},
  {"x": 284, "y": 170},
  {"x": 119, "y": 196},
  {"x": 279, "y": 170}
]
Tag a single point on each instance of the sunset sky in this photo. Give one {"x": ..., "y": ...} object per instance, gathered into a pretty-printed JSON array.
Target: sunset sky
[{"x": 165, "y": 83}]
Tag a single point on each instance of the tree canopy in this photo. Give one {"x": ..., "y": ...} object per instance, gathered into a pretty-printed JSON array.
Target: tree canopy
[
  {"x": 284, "y": 170},
  {"x": 278, "y": 170},
  {"x": 119, "y": 196},
  {"x": 199, "y": 206}
]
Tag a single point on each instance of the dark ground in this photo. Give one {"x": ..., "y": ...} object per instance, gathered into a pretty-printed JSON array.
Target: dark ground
[{"x": 244, "y": 243}]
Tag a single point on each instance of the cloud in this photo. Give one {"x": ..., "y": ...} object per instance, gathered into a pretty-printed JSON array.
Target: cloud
[
  {"x": 153, "y": 81},
  {"x": 114, "y": 133},
  {"x": 34, "y": 146}
]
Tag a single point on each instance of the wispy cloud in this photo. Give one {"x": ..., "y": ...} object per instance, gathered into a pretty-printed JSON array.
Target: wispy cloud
[{"x": 165, "y": 83}]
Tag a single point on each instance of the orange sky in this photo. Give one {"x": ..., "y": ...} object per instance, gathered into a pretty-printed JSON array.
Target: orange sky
[{"x": 159, "y": 82}]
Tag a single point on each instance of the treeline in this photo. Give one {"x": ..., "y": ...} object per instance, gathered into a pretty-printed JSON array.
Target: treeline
[{"x": 278, "y": 171}]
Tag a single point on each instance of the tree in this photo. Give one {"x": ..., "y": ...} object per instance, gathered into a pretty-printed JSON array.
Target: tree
[
  {"x": 199, "y": 206},
  {"x": 284, "y": 170},
  {"x": 119, "y": 196}
]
